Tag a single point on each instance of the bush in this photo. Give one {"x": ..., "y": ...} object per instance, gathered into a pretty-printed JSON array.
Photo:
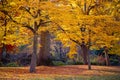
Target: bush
[
  {"x": 94, "y": 62},
  {"x": 12, "y": 64},
  {"x": 114, "y": 61},
  {"x": 94, "y": 59},
  {"x": 70, "y": 62},
  {"x": 78, "y": 63},
  {"x": 58, "y": 63}
]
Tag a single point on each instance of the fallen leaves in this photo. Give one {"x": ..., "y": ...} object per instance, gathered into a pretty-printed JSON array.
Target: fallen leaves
[{"x": 53, "y": 71}]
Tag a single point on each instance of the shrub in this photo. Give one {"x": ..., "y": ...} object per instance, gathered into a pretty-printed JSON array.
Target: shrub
[
  {"x": 70, "y": 62},
  {"x": 114, "y": 61},
  {"x": 78, "y": 63},
  {"x": 58, "y": 63},
  {"x": 94, "y": 59},
  {"x": 12, "y": 64}
]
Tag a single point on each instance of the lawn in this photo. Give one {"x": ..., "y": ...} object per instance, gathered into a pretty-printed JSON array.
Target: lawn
[{"x": 71, "y": 72}]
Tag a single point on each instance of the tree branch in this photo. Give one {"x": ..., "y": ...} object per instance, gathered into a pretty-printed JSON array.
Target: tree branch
[
  {"x": 42, "y": 23},
  {"x": 91, "y": 7},
  {"x": 76, "y": 41},
  {"x": 38, "y": 12},
  {"x": 23, "y": 25},
  {"x": 28, "y": 27}
]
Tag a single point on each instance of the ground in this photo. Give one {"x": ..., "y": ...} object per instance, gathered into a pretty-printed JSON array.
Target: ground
[{"x": 22, "y": 73}]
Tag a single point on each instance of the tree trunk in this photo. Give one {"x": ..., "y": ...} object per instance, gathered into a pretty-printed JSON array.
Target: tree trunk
[
  {"x": 107, "y": 57},
  {"x": 84, "y": 53},
  {"x": 89, "y": 41},
  {"x": 44, "y": 52},
  {"x": 89, "y": 63},
  {"x": 34, "y": 55}
]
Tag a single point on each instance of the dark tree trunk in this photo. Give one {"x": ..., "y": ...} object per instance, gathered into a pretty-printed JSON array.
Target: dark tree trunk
[
  {"x": 89, "y": 63},
  {"x": 84, "y": 53},
  {"x": 86, "y": 49},
  {"x": 34, "y": 55},
  {"x": 44, "y": 52}
]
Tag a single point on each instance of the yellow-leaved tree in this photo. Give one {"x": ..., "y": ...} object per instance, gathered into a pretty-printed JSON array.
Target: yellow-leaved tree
[
  {"x": 28, "y": 14},
  {"x": 9, "y": 31},
  {"x": 88, "y": 24},
  {"x": 35, "y": 16}
]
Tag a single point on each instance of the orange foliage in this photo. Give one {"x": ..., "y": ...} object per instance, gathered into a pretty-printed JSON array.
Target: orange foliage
[{"x": 9, "y": 48}]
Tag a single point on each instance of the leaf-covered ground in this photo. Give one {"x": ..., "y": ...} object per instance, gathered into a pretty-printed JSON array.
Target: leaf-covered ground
[{"x": 22, "y": 73}]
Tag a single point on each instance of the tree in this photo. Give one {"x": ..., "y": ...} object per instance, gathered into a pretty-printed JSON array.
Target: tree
[
  {"x": 9, "y": 31},
  {"x": 31, "y": 14},
  {"x": 92, "y": 16}
]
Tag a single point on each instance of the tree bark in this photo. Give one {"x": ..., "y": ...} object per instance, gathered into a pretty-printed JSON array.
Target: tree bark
[
  {"x": 107, "y": 57},
  {"x": 44, "y": 52},
  {"x": 84, "y": 53},
  {"x": 87, "y": 49},
  {"x": 89, "y": 63},
  {"x": 34, "y": 55}
]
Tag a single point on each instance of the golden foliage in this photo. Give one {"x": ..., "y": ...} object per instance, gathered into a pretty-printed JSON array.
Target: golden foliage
[{"x": 66, "y": 18}]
